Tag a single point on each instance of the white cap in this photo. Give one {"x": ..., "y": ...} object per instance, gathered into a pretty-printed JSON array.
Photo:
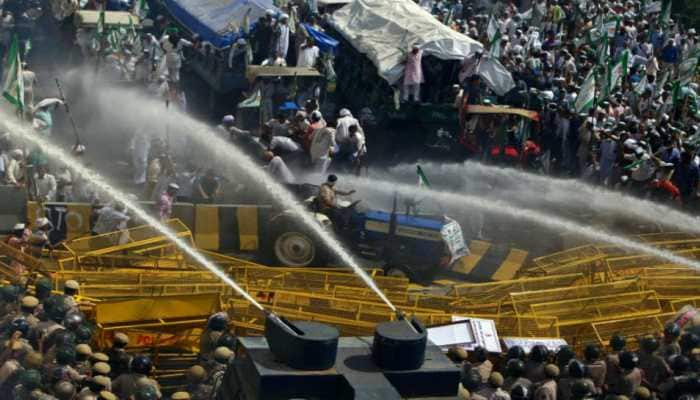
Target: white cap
[
  {"x": 174, "y": 186},
  {"x": 17, "y": 153},
  {"x": 41, "y": 222},
  {"x": 344, "y": 112},
  {"x": 228, "y": 119},
  {"x": 18, "y": 227},
  {"x": 269, "y": 12},
  {"x": 284, "y": 16}
]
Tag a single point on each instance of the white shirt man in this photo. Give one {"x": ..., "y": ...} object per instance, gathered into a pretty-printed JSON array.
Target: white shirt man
[
  {"x": 346, "y": 120},
  {"x": 284, "y": 144},
  {"x": 110, "y": 219},
  {"x": 308, "y": 55},
  {"x": 45, "y": 185},
  {"x": 278, "y": 169}
]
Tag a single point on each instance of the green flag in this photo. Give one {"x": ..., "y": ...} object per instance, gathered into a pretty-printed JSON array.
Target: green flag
[
  {"x": 422, "y": 179},
  {"x": 617, "y": 72},
  {"x": 13, "y": 86},
  {"x": 676, "y": 93},
  {"x": 586, "y": 96},
  {"x": 641, "y": 85},
  {"x": 686, "y": 69},
  {"x": 665, "y": 12},
  {"x": 141, "y": 9},
  {"x": 603, "y": 51},
  {"x": 492, "y": 28},
  {"x": 495, "y": 47}
]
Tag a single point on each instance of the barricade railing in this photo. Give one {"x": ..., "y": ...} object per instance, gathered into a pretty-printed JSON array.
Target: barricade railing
[{"x": 631, "y": 328}]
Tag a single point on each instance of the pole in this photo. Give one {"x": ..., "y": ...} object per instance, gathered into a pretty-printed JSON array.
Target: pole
[{"x": 70, "y": 116}]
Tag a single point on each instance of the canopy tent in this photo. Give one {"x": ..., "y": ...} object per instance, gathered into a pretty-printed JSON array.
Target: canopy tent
[
  {"x": 217, "y": 21},
  {"x": 385, "y": 30},
  {"x": 325, "y": 43}
]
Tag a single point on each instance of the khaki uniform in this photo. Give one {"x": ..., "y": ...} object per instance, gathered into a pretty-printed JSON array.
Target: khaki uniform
[
  {"x": 509, "y": 383},
  {"x": 598, "y": 372},
  {"x": 565, "y": 385},
  {"x": 199, "y": 391},
  {"x": 127, "y": 385},
  {"x": 669, "y": 349},
  {"x": 546, "y": 391},
  {"x": 655, "y": 369},
  {"x": 477, "y": 396},
  {"x": 207, "y": 343},
  {"x": 534, "y": 372},
  {"x": 490, "y": 393},
  {"x": 630, "y": 381},
  {"x": 485, "y": 368},
  {"x": 613, "y": 372}
]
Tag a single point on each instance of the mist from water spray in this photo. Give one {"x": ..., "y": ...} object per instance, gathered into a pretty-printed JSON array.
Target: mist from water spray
[
  {"x": 57, "y": 153},
  {"x": 532, "y": 189},
  {"x": 234, "y": 160},
  {"x": 505, "y": 208}
]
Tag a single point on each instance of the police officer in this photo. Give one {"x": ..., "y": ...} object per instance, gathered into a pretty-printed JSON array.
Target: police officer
[
  {"x": 10, "y": 295},
  {"x": 27, "y": 307},
  {"x": 471, "y": 382},
  {"x": 654, "y": 367},
  {"x": 520, "y": 392},
  {"x": 56, "y": 313},
  {"x": 613, "y": 372},
  {"x": 222, "y": 356},
  {"x": 198, "y": 390},
  {"x": 596, "y": 367},
  {"x": 64, "y": 390},
  {"x": 127, "y": 384},
  {"x": 95, "y": 385},
  {"x": 493, "y": 388},
  {"x": 630, "y": 377},
  {"x": 482, "y": 363},
  {"x": 83, "y": 352},
  {"x": 670, "y": 346},
  {"x": 118, "y": 350},
  {"x": 534, "y": 367},
  {"x": 547, "y": 390},
  {"x": 29, "y": 382},
  {"x": 65, "y": 358},
  {"x": 70, "y": 290},
  {"x": 181, "y": 396},
  {"x": 515, "y": 368},
  {"x": 577, "y": 372},
  {"x": 216, "y": 326}
]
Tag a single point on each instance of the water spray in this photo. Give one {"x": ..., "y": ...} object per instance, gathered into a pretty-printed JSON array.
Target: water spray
[
  {"x": 56, "y": 152},
  {"x": 569, "y": 191},
  {"x": 503, "y": 207}
]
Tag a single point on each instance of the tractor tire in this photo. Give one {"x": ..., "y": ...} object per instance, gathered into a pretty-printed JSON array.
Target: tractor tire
[{"x": 293, "y": 246}]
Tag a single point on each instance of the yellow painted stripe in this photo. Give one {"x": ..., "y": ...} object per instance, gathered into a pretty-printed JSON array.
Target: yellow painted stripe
[
  {"x": 466, "y": 264},
  {"x": 510, "y": 266},
  {"x": 206, "y": 227},
  {"x": 77, "y": 220},
  {"x": 248, "y": 227}
]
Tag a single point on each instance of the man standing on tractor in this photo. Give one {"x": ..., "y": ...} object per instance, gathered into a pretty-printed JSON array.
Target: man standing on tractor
[{"x": 326, "y": 199}]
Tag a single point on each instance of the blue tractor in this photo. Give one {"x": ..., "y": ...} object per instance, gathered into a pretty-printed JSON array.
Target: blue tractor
[{"x": 407, "y": 244}]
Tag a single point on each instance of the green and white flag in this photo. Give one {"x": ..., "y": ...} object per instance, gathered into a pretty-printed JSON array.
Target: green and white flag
[
  {"x": 617, "y": 72},
  {"x": 99, "y": 32},
  {"x": 494, "y": 35},
  {"x": 687, "y": 68},
  {"x": 27, "y": 47},
  {"x": 422, "y": 179},
  {"x": 253, "y": 101},
  {"x": 665, "y": 12},
  {"x": 13, "y": 86},
  {"x": 141, "y": 9},
  {"x": 641, "y": 85},
  {"x": 603, "y": 51},
  {"x": 586, "y": 98}
]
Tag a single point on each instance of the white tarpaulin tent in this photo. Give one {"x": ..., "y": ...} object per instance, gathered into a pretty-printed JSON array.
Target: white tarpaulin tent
[{"x": 385, "y": 30}]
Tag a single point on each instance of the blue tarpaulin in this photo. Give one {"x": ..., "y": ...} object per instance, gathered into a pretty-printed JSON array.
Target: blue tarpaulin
[
  {"x": 324, "y": 42},
  {"x": 219, "y": 22}
]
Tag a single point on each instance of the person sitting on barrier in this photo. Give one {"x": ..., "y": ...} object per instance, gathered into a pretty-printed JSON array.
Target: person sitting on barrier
[
  {"x": 326, "y": 200},
  {"x": 111, "y": 218}
]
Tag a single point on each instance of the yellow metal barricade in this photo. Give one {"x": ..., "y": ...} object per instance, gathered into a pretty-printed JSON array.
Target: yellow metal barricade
[
  {"x": 491, "y": 292},
  {"x": 164, "y": 321},
  {"x": 563, "y": 258},
  {"x": 523, "y": 301},
  {"x": 672, "y": 287},
  {"x": 591, "y": 309},
  {"x": 632, "y": 328}
]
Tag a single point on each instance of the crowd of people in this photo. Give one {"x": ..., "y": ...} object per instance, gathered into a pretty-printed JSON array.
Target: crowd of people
[
  {"x": 664, "y": 367},
  {"x": 49, "y": 352},
  {"x": 614, "y": 83}
]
